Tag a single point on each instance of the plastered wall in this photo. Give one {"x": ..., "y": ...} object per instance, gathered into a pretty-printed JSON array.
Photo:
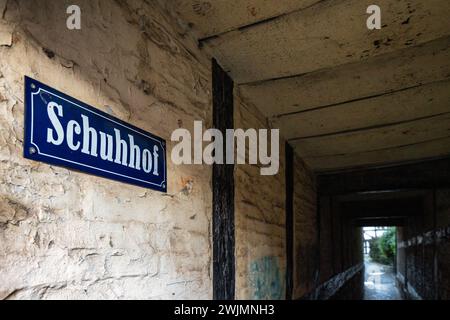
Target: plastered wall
[
  {"x": 65, "y": 234},
  {"x": 69, "y": 235},
  {"x": 260, "y": 215},
  {"x": 260, "y": 221}
]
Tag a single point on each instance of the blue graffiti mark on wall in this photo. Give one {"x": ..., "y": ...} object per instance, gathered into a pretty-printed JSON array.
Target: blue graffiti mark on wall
[{"x": 266, "y": 279}]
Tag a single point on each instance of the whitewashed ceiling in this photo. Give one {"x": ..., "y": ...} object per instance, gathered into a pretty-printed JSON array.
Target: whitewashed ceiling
[{"x": 344, "y": 96}]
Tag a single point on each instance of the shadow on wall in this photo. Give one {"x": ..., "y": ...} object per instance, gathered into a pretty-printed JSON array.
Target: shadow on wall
[
  {"x": 11, "y": 212},
  {"x": 266, "y": 279}
]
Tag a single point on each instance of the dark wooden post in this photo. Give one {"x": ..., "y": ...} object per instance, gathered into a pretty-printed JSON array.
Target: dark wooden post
[
  {"x": 289, "y": 176},
  {"x": 223, "y": 192}
]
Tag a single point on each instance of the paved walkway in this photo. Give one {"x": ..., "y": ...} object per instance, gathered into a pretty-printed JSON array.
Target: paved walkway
[{"x": 379, "y": 282}]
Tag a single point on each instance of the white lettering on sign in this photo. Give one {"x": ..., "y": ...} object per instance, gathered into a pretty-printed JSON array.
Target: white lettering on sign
[{"x": 94, "y": 143}]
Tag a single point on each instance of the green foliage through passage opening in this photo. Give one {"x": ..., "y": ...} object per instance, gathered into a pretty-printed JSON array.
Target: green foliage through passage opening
[{"x": 382, "y": 249}]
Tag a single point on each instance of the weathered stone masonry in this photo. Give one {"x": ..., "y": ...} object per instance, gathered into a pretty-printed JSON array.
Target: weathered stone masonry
[{"x": 70, "y": 235}]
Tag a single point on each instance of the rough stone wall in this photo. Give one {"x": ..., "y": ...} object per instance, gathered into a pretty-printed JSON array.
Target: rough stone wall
[
  {"x": 260, "y": 221},
  {"x": 65, "y": 234},
  {"x": 260, "y": 216}
]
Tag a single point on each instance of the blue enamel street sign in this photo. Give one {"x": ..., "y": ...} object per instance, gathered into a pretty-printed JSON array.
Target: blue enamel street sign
[{"x": 61, "y": 130}]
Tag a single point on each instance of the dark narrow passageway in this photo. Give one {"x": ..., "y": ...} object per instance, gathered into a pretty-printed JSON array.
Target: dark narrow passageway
[
  {"x": 227, "y": 149},
  {"x": 380, "y": 245},
  {"x": 412, "y": 202}
]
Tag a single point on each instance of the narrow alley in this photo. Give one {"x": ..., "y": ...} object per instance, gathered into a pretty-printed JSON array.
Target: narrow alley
[{"x": 224, "y": 150}]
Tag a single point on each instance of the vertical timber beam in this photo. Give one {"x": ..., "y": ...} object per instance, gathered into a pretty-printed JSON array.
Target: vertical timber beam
[
  {"x": 289, "y": 176},
  {"x": 223, "y": 192}
]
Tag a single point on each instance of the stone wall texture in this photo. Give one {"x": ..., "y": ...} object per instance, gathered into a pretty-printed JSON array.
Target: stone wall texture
[
  {"x": 65, "y": 234},
  {"x": 69, "y": 235},
  {"x": 260, "y": 221}
]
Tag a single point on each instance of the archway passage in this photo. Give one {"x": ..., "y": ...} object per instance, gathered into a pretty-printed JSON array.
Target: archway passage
[
  {"x": 380, "y": 245},
  {"x": 412, "y": 207},
  {"x": 378, "y": 214}
]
